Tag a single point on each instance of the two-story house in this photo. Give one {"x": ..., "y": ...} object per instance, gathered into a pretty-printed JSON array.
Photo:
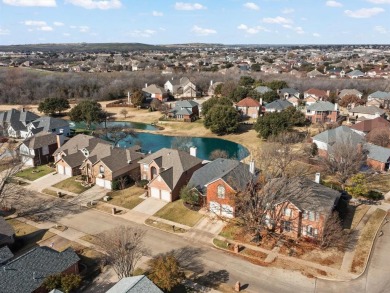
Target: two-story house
[
  {"x": 47, "y": 124},
  {"x": 322, "y": 112},
  {"x": 366, "y": 112},
  {"x": 187, "y": 111},
  {"x": 14, "y": 121},
  {"x": 181, "y": 88},
  {"x": 249, "y": 107},
  {"x": 155, "y": 92},
  {"x": 167, "y": 171},
  {"x": 313, "y": 95}
]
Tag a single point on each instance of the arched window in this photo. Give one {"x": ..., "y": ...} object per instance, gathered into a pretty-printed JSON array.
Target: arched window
[
  {"x": 221, "y": 191},
  {"x": 101, "y": 169}
]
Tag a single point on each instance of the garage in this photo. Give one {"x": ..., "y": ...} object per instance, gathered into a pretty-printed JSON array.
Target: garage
[
  {"x": 28, "y": 161},
  {"x": 60, "y": 169},
  {"x": 215, "y": 207},
  {"x": 155, "y": 192},
  {"x": 103, "y": 183},
  {"x": 165, "y": 195},
  {"x": 68, "y": 171},
  {"x": 227, "y": 211}
]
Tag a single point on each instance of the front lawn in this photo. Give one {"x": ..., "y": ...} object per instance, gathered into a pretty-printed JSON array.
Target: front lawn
[
  {"x": 177, "y": 212},
  {"x": 34, "y": 173},
  {"x": 127, "y": 198},
  {"x": 380, "y": 182},
  {"x": 71, "y": 185}
]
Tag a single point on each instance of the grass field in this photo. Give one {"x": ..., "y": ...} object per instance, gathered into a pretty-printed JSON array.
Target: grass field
[
  {"x": 34, "y": 173},
  {"x": 177, "y": 212},
  {"x": 127, "y": 198},
  {"x": 71, "y": 185}
]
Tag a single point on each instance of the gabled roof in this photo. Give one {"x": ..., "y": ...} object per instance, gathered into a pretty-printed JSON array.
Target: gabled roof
[
  {"x": 316, "y": 92},
  {"x": 5, "y": 254},
  {"x": 186, "y": 104},
  {"x": 154, "y": 89},
  {"x": 40, "y": 140},
  {"x": 289, "y": 91},
  {"x": 321, "y": 106},
  {"x": 179, "y": 161},
  {"x": 27, "y": 272},
  {"x": 48, "y": 123},
  {"x": 355, "y": 72},
  {"x": 368, "y": 125},
  {"x": 279, "y": 105},
  {"x": 339, "y": 134},
  {"x": 314, "y": 72},
  {"x": 377, "y": 153},
  {"x": 136, "y": 284},
  {"x": 233, "y": 172},
  {"x": 380, "y": 95},
  {"x": 370, "y": 110},
  {"x": 79, "y": 142},
  {"x": 248, "y": 102},
  {"x": 120, "y": 158},
  {"x": 353, "y": 92}
]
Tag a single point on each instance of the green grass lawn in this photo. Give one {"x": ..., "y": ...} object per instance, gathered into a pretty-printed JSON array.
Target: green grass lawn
[
  {"x": 127, "y": 198},
  {"x": 177, "y": 212},
  {"x": 71, "y": 185},
  {"x": 34, "y": 173}
]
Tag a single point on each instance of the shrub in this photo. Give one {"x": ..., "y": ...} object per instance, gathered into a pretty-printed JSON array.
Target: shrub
[
  {"x": 374, "y": 195},
  {"x": 142, "y": 183}
]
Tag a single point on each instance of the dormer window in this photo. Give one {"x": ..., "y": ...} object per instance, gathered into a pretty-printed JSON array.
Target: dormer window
[
  {"x": 221, "y": 191},
  {"x": 101, "y": 169},
  {"x": 85, "y": 152}
]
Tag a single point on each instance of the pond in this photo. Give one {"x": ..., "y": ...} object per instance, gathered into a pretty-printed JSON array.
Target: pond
[
  {"x": 124, "y": 124},
  {"x": 205, "y": 146}
]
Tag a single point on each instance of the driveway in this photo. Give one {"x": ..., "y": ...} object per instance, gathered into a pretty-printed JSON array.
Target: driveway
[
  {"x": 94, "y": 193},
  {"x": 150, "y": 206},
  {"x": 46, "y": 181}
]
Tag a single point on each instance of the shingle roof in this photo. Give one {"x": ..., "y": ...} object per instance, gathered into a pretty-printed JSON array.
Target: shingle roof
[
  {"x": 79, "y": 142},
  {"x": 5, "y": 254},
  {"x": 370, "y": 110},
  {"x": 248, "y": 102},
  {"x": 27, "y": 272},
  {"x": 233, "y": 172},
  {"x": 174, "y": 162},
  {"x": 263, "y": 89},
  {"x": 354, "y": 92},
  {"x": 40, "y": 140},
  {"x": 355, "y": 72},
  {"x": 289, "y": 91},
  {"x": 368, "y": 125},
  {"x": 121, "y": 158},
  {"x": 279, "y": 105},
  {"x": 5, "y": 228},
  {"x": 339, "y": 134},
  {"x": 316, "y": 92},
  {"x": 380, "y": 95},
  {"x": 48, "y": 123},
  {"x": 136, "y": 284},
  {"x": 186, "y": 104},
  {"x": 377, "y": 153},
  {"x": 154, "y": 89},
  {"x": 321, "y": 106}
]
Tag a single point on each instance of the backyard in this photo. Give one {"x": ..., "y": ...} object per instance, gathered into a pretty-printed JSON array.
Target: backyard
[{"x": 34, "y": 173}]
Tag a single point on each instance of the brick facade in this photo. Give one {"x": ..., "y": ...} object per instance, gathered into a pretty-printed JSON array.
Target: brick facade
[
  {"x": 212, "y": 194},
  {"x": 323, "y": 117}
]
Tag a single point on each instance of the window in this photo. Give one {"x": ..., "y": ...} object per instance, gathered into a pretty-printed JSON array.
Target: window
[
  {"x": 312, "y": 216},
  {"x": 287, "y": 212},
  {"x": 309, "y": 230},
  {"x": 305, "y": 215},
  {"x": 221, "y": 191},
  {"x": 101, "y": 169},
  {"x": 317, "y": 216},
  {"x": 146, "y": 167},
  {"x": 287, "y": 226}
]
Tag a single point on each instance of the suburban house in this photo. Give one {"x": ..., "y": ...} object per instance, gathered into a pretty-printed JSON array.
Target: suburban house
[
  {"x": 218, "y": 181},
  {"x": 187, "y": 111},
  {"x": 350, "y": 92},
  {"x": 382, "y": 98},
  {"x": 366, "y": 112},
  {"x": 167, "y": 171},
  {"x": 314, "y": 73},
  {"x": 325, "y": 140},
  {"x": 26, "y": 273},
  {"x": 5, "y": 254},
  {"x": 38, "y": 149},
  {"x": 366, "y": 126},
  {"x": 156, "y": 92},
  {"x": 313, "y": 95},
  {"x": 322, "y": 112},
  {"x": 288, "y": 93},
  {"x": 378, "y": 157},
  {"x": 294, "y": 101},
  {"x": 181, "y": 88},
  {"x": 304, "y": 208},
  {"x": 355, "y": 74},
  {"x": 47, "y": 124},
  {"x": 249, "y": 107},
  {"x": 335, "y": 72},
  {"x": 277, "y": 106},
  {"x": 135, "y": 284},
  {"x": 14, "y": 121},
  {"x": 7, "y": 233}
]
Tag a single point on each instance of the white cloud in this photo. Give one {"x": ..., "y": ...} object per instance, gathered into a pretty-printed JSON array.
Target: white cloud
[
  {"x": 143, "y": 33},
  {"x": 202, "y": 31},
  {"x": 38, "y": 25},
  {"x": 45, "y": 28},
  {"x": 189, "y": 6},
  {"x": 83, "y": 29},
  {"x": 277, "y": 20},
  {"x": 34, "y": 23},
  {"x": 333, "y": 4},
  {"x": 252, "y": 30},
  {"x": 4, "y": 32},
  {"x": 364, "y": 12},
  {"x": 288, "y": 10},
  {"x": 57, "y": 23},
  {"x": 44, "y": 3},
  {"x": 380, "y": 29},
  {"x": 251, "y": 5},
  {"x": 380, "y": 1},
  {"x": 93, "y": 4},
  {"x": 297, "y": 29},
  {"x": 317, "y": 35},
  {"x": 157, "y": 13},
  {"x": 66, "y": 34},
  {"x": 73, "y": 26}
]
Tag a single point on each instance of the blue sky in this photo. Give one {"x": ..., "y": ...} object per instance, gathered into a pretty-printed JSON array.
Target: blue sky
[{"x": 209, "y": 21}]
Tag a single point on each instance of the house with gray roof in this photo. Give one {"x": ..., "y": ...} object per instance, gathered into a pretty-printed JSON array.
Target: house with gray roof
[
  {"x": 277, "y": 106},
  {"x": 289, "y": 92},
  {"x": 378, "y": 157},
  {"x": 155, "y": 92},
  {"x": 7, "y": 233},
  {"x": 366, "y": 112},
  {"x": 186, "y": 110},
  {"x": 135, "y": 284},
  {"x": 355, "y": 74},
  {"x": 263, "y": 89},
  {"x": 13, "y": 121},
  {"x": 181, "y": 88},
  {"x": 26, "y": 273},
  {"x": 350, "y": 92},
  {"x": 217, "y": 183},
  {"x": 167, "y": 171},
  {"x": 380, "y": 99},
  {"x": 322, "y": 112},
  {"x": 47, "y": 124}
]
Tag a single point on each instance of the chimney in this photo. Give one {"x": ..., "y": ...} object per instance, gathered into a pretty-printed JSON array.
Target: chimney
[
  {"x": 336, "y": 107},
  {"x": 60, "y": 139},
  {"x": 193, "y": 151},
  {"x": 328, "y": 93},
  {"x": 211, "y": 82},
  {"x": 317, "y": 178},
  {"x": 252, "y": 167},
  {"x": 146, "y": 85}
]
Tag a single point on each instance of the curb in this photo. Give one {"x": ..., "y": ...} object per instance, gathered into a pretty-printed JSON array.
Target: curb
[{"x": 164, "y": 230}]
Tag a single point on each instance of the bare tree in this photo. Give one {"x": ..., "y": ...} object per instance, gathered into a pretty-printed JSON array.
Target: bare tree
[
  {"x": 124, "y": 112},
  {"x": 218, "y": 153},
  {"x": 182, "y": 143},
  {"x": 124, "y": 247},
  {"x": 115, "y": 134},
  {"x": 333, "y": 233},
  {"x": 380, "y": 136}
]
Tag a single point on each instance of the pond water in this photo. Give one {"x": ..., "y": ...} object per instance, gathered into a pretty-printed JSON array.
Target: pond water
[
  {"x": 124, "y": 124},
  {"x": 205, "y": 146}
]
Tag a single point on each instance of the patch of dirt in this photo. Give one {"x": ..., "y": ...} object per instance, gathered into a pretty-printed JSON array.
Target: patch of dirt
[
  {"x": 304, "y": 270},
  {"x": 331, "y": 257}
]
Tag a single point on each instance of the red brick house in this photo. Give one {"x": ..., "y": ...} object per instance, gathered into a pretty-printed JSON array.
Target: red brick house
[
  {"x": 366, "y": 126},
  {"x": 167, "y": 171},
  {"x": 249, "y": 107},
  {"x": 322, "y": 112},
  {"x": 378, "y": 157}
]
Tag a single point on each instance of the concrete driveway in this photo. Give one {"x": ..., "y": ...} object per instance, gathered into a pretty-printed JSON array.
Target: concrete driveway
[
  {"x": 94, "y": 193},
  {"x": 46, "y": 181},
  {"x": 150, "y": 206}
]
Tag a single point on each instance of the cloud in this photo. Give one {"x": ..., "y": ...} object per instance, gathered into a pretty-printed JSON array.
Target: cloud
[
  {"x": 277, "y": 20},
  {"x": 202, "y": 31},
  {"x": 157, "y": 13},
  {"x": 143, "y": 33},
  {"x": 93, "y": 4},
  {"x": 364, "y": 12},
  {"x": 380, "y": 1},
  {"x": 189, "y": 6},
  {"x": 252, "y": 30},
  {"x": 288, "y": 10},
  {"x": 251, "y": 5},
  {"x": 66, "y": 34},
  {"x": 83, "y": 29},
  {"x": 38, "y": 25},
  {"x": 43, "y": 3},
  {"x": 34, "y": 23},
  {"x": 333, "y": 4},
  {"x": 317, "y": 35},
  {"x": 57, "y": 23},
  {"x": 4, "y": 32},
  {"x": 45, "y": 28},
  {"x": 380, "y": 29},
  {"x": 297, "y": 29}
]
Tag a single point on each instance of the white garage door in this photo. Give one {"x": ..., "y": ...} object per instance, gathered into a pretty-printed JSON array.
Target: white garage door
[
  {"x": 227, "y": 211},
  {"x": 165, "y": 195},
  {"x": 215, "y": 207},
  {"x": 68, "y": 171},
  {"x": 28, "y": 162},
  {"x": 60, "y": 169},
  {"x": 155, "y": 192},
  {"x": 103, "y": 183}
]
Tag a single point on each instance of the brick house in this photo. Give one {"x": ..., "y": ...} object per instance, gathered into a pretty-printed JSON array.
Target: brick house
[
  {"x": 249, "y": 107},
  {"x": 187, "y": 111},
  {"x": 313, "y": 95},
  {"x": 365, "y": 127},
  {"x": 167, "y": 171},
  {"x": 218, "y": 181},
  {"x": 155, "y": 92},
  {"x": 322, "y": 112},
  {"x": 378, "y": 157}
]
